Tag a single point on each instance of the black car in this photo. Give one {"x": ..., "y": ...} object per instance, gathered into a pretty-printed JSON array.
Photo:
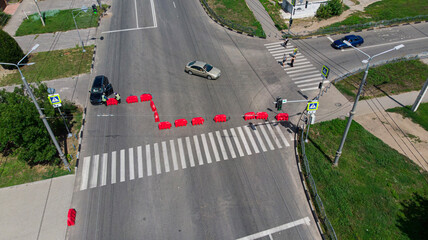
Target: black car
[
  {"x": 100, "y": 86},
  {"x": 354, "y": 40}
]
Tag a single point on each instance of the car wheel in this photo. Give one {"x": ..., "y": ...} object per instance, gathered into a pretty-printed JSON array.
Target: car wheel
[
  {"x": 209, "y": 77},
  {"x": 190, "y": 72}
]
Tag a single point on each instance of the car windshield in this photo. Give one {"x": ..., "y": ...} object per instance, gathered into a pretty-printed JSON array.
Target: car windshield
[
  {"x": 208, "y": 67},
  {"x": 191, "y": 63},
  {"x": 97, "y": 90}
]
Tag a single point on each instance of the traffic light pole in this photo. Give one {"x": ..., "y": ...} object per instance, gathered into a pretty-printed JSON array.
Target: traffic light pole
[{"x": 75, "y": 24}]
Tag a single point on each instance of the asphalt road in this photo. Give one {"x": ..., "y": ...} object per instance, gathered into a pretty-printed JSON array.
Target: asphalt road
[{"x": 213, "y": 181}]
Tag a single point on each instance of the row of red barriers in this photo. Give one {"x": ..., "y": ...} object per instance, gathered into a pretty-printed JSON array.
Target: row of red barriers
[
  {"x": 282, "y": 117},
  {"x": 180, "y": 123},
  {"x": 264, "y": 115},
  {"x": 71, "y": 218},
  {"x": 111, "y": 101},
  {"x": 144, "y": 97},
  {"x": 198, "y": 121},
  {"x": 220, "y": 118},
  {"x": 132, "y": 99},
  {"x": 164, "y": 125}
]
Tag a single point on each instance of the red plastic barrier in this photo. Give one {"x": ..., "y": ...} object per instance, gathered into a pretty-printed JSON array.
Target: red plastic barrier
[
  {"x": 156, "y": 116},
  {"x": 132, "y": 99},
  {"x": 152, "y": 105},
  {"x": 164, "y": 125},
  {"x": 220, "y": 118},
  {"x": 145, "y": 97},
  {"x": 249, "y": 115},
  {"x": 111, "y": 101},
  {"x": 282, "y": 117},
  {"x": 180, "y": 122},
  {"x": 197, "y": 121},
  {"x": 262, "y": 115},
  {"x": 71, "y": 219}
]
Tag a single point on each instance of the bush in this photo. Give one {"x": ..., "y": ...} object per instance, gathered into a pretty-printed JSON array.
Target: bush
[
  {"x": 10, "y": 51},
  {"x": 4, "y": 18},
  {"x": 332, "y": 8}
]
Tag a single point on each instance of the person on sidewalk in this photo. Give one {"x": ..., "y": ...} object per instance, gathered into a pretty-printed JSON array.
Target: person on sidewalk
[
  {"x": 285, "y": 42},
  {"x": 292, "y": 61},
  {"x": 117, "y": 97},
  {"x": 104, "y": 99},
  {"x": 284, "y": 59}
]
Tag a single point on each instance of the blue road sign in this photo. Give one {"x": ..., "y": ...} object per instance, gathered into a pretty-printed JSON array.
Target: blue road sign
[
  {"x": 54, "y": 98},
  {"x": 312, "y": 106}
]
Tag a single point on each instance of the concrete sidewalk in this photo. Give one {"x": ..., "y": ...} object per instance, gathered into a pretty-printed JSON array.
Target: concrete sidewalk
[{"x": 263, "y": 17}]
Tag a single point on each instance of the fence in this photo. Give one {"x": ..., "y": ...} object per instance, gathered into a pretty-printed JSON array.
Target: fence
[{"x": 322, "y": 216}]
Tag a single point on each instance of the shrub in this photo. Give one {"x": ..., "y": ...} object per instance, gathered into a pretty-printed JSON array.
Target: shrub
[
  {"x": 332, "y": 8},
  {"x": 10, "y": 51},
  {"x": 4, "y": 18}
]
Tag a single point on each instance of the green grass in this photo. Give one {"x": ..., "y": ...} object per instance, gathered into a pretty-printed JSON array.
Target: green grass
[
  {"x": 237, "y": 12},
  {"x": 274, "y": 13},
  {"x": 420, "y": 116},
  {"x": 57, "y": 21},
  {"x": 4, "y": 18},
  {"x": 53, "y": 65},
  {"x": 388, "y": 79},
  {"x": 368, "y": 195}
]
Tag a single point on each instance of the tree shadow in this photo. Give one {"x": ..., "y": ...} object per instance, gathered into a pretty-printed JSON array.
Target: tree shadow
[
  {"x": 413, "y": 218},
  {"x": 386, "y": 94}
]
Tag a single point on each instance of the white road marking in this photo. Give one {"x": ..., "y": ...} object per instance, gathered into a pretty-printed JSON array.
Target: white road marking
[
  {"x": 129, "y": 29},
  {"x": 331, "y": 40},
  {"x": 391, "y": 43},
  {"x": 85, "y": 173},
  {"x": 140, "y": 161},
  {"x": 155, "y": 23},
  {"x": 189, "y": 150},
  {"x": 300, "y": 70},
  {"x": 283, "y": 227},
  {"x": 148, "y": 161},
  {"x": 291, "y": 136},
  {"x": 136, "y": 13},
  {"x": 131, "y": 164},
  {"x": 268, "y": 44},
  {"x": 309, "y": 84},
  {"x": 174, "y": 155},
  {"x": 278, "y": 129},
  {"x": 104, "y": 170},
  {"x": 318, "y": 79},
  {"x": 267, "y": 137},
  {"x": 157, "y": 158},
  {"x": 216, "y": 155},
  {"x": 307, "y": 76},
  {"x": 275, "y": 139},
  {"x": 174, "y": 4},
  {"x": 229, "y": 143},
  {"x": 94, "y": 176},
  {"x": 198, "y": 150},
  {"x": 250, "y": 136},
  {"x": 299, "y": 74},
  {"x": 207, "y": 151},
  {"x": 309, "y": 89},
  {"x": 182, "y": 159},
  {"x": 247, "y": 147},
  {"x": 113, "y": 167},
  {"x": 165, "y": 156},
  {"x": 122, "y": 165},
  {"x": 238, "y": 145},
  {"x": 223, "y": 150},
  {"x": 260, "y": 140}
]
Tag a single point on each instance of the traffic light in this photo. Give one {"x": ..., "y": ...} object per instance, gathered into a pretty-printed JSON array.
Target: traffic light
[
  {"x": 94, "y": 8},
  {"x": 278, "y": 104}
]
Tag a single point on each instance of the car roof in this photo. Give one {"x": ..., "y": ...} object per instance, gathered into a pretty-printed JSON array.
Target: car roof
[
  {"x": 199, "y": 64},
  {"x": 98, "y": 81}
]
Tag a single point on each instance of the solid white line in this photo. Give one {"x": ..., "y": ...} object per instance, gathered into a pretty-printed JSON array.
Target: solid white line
[
  {"x": 207, "y": 151},
  {"x": 229, "y": 143},
  {"x": 174, "y": 4},
  {"x": 198, "y": 150},
  {"x": 260, "y": 140},
  {"x": 329, "y": 38},
  {"x": 174, "y": 155},
  {"x": 309, "y": 80},
  {"x": 122, "y": 165},
  {"x": 299, "y": 74},
  {"x": 275, "y": 139},
  {"x": 267, "y": 44},
  {"x": 301, "y": 70},
  {"x": 309, "y": 89},
  {"x": 94, "y": 175},
  {"x": 216, "y": 155},
  {"x": 129, "y": 29},
  {"x": 181, "y": 150},
  {"x": 238, "y": 145},
  {"x": 278, "y": 129},
  {"x": 136, "y": 13},
  {"x": 148, "y": 161},
  {"x": 155, "y": 23},
  {"x": 157, "y": 158},
  {"x": 223, "y": 150},
  {"x": 104, "y": 170},
  {"x": 131, "y": 164},
  {"x": 247, "y": 147},
  {"x": 189, "y": 150},
  {"x": 85, "y": 173},
  {"x": 390, "y": 43},
  {"x": 113, "y": 167},
  {"x": 165, "y": 156},
  {"x": 267, "y": 137},
  {"x": 283, "y": 227},
  {"x": 140, "y": 161},
  {"x": 250, "y": 136}
]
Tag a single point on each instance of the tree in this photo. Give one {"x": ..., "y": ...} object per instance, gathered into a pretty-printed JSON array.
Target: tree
[
  {"x": 10, "y": 51},
  {"x": 332, "y": 8}
]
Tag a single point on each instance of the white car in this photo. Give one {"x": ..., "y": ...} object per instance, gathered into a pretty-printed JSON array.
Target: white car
[{"x": 202, "y": 69}]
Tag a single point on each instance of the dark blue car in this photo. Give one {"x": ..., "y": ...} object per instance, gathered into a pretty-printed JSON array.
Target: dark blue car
[{"x": 355, "y": 41}]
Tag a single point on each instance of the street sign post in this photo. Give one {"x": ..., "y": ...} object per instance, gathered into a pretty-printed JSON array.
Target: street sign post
[
  {"x": 312, "y": 106},
  {"x": 325, "y": 71},
  {"x": 55, "y": 100}
]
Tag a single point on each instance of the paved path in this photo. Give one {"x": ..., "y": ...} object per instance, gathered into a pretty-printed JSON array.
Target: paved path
[{"x": 263, "y": 17}]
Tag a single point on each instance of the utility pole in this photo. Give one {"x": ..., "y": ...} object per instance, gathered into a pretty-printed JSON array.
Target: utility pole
[
  {"x": 420, "y": 96},
  {"x": 40, "y": 14}
]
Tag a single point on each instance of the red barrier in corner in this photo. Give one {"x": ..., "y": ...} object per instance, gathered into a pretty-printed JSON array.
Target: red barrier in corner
[
  {"x": 249, "y": 115},
  {"x": 145, "y": 97},
  {"x": 262, "y": 115},
  {"x": 132, "y": 99},
  {"x": 111, "y": 101},
  {"x": 152, "y": 105},
  {"x": 197, "y": 121},
  {"x": 282, "y": 117},
  {"x": 71, "y": 218},
  {"x": 220, "y": 118},
  {"x": 164, "y": 125},
  {"x": 156, "y": 116},
  {"x": 180, "y": 122}
]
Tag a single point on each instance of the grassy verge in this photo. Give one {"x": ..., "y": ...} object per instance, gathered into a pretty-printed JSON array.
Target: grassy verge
[
  {"x": 4, "y": 18},
  {"x": 274, "y": 13},
  {"x": 388, "y": 79},
  {"x": 58, "y": 21},
  {"x": 53, "y": 65},
  {"x": 237, "y": 12},
  {"x": 375, "y": 192},
  {"x": 420, "y": 116}
]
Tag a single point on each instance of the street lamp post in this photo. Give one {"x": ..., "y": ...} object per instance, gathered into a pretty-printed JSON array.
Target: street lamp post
[
  {"x": 75, "y": 24},
  {"x": 42, "y": 116},
  {"x": 352, "y": 112}
]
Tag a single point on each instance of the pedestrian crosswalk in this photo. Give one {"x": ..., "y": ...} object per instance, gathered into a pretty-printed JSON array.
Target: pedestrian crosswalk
[
  {"x": 305, "y": 75},
  {"x": 181, "y": 153}
]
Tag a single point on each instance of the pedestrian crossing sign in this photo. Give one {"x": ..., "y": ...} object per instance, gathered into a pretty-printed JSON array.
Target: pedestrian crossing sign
[
  {"x": 55, "y": 100},
  {"x": 312, "y": 106}
]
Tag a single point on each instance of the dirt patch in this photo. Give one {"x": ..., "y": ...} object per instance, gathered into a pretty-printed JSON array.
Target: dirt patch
[{"x": 4, "y": 72}]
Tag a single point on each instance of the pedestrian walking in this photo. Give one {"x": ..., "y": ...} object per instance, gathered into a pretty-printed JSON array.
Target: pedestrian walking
[
  {"x": 286, "y": 42},
  {"x": 104, "y": 99},
  {"x": 292, "y": 61},
  {"x": 295, "y": 51},
  {"x": 284, "y": 59},
  {"x": 117, "y": 97}
]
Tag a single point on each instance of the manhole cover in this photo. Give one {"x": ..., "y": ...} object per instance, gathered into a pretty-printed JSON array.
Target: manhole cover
[{"x": 338, "y": 104}]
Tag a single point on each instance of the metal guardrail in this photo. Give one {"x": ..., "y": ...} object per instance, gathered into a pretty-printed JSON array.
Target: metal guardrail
[{"x": 228, "y": 23}]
